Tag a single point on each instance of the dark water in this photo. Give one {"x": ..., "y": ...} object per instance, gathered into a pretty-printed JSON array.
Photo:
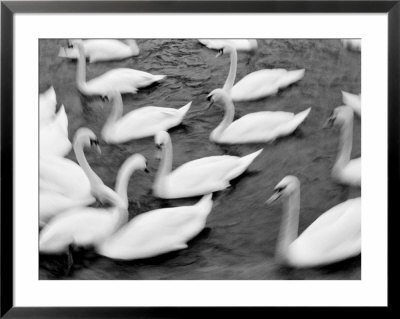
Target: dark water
[{"x": 240, "y": 236}]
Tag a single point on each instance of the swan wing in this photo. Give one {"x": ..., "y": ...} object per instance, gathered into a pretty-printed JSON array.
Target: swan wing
[
  {"x": 146, "y": 121},
  {"x": 258, "y": 126},
  {"x": 257, "y": 84},
  {"x": 153, "y": 233},
  {"x": 81, "y": 226},
  {"x": 47, "y": 106},
  {"x": 334, "y": 236}
]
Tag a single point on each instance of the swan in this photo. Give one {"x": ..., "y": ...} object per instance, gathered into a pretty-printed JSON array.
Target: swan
[
  {"x": 98, "y": 50},
  {"x": 47, "y": 106},
  {"x": 257, "y": 127},
  {"x": 142, "y": 122},
  {"x": 345, "y": 171},
  {"x": 246, "y": 45},
  {"x": 124, "y": 80},
  {"x": 87, "y": 226},
  {"x": 258, "y": 84},
  {"x": 352, "y": 44},
  {"x": 53, "y": 136},
  {"x": 157, "y": 232},
  {"x": 198, "y": 177},
  {"x": 352, "y": 100},
  {"x": 65, "y": 184},
  {"x": 332, "y": 237}
]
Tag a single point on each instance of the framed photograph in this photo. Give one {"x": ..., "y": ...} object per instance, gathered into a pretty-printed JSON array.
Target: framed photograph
[{"x": 176, "y": 158}]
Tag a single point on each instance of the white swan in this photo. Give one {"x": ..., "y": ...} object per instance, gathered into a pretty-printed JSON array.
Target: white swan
[
  {"x": 257, "y": 127},
  {"x": 139, "y": 123},
  {"x": 345, "y": 171},
  {"x": 352, "y": 100},
  {"x": 87, "y": 226},
  {"x": 53, "y": 136},
  {"x": 98, "y": 50},
  {"x": 352, "y": 44},
  {"x": 47, "y": 106},
  {"x": 246, "y": 45},
  {"x": 65, "y": 184},
  {"x": 157, "y": 232},
  {"x": 198, "y": 177},
  {"x": 258, "y": 84},
  {"x": 124, "y": 80},
  {"x": 332, "y": 237}
]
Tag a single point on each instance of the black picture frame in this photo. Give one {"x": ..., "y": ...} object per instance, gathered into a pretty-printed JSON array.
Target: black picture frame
[{"x": 9, "y": 8}]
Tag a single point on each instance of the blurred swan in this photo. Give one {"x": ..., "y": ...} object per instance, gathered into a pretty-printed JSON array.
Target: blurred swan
[
  {"x": 65, "y": 184},
  {"x": 124, "y": 80},
  {"x": 198, "y": 177},
  {"x": 157, "y": 232},
  {"x": 247, "y": 45},
  {"x": 47, "y": 106},
  {"x": 88, "y": 226},
  {"x": 139, "y": 123},
  {"x": 98, "y": 50},
  {"x": 332, "y": 237},
  {"x": 352, "y": 100},
  {"x": 345, "y": 171},
  {"x": 258, "y": 84},
  {"x": 257, "y": 127},
  {"x": 54, "y": 135},
  {"x": 352, "y": 44}
]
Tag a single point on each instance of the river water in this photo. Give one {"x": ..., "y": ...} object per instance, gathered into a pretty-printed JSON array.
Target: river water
[{"x": 240, "y": 236}]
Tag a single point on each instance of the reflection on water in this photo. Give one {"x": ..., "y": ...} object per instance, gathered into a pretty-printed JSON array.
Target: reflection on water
[{"x": 239, "y": 239}]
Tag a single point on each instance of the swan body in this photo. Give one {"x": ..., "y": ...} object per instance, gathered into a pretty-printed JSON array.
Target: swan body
[
  {"x": 197, "y": 177},
  {"x": 352, "y": 100},
  {"x": 262, "y": 83},
  {"x": 258, "y": 127},
  {"x": 88, "y": 226},
  {"x": 332, "y": 237},
  {"x": 98, "y": 50},
  {"x": 66, "y": 185},
  {"x": 47, "y": 106},
  {"x": 139, "y": 123},
  {"x": 123, "y": 80},
  {"x": 352, "y": 44},
  {"x": 54, "y": 135},
  {"x": 157, "y": 232},
  {"x": 258, "y": 84},
  {"x": 345, "y": 171},
  {"x": 246, "y": 45}
]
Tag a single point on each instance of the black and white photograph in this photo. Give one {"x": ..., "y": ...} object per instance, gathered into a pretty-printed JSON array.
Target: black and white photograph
[{"x": 199, "y": 159}]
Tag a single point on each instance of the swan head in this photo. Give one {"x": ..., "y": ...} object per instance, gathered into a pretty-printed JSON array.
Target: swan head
[
  {"x": 284, "y": 188},
  {"x": 217, "y": 95},
  {"x": 161, "y": 138},
  {"x": 225, "y": 49},
  {"x": 340, "y": 115},
  {"x": 138, "y": 161},
  {"x": 86, "y": 138}
]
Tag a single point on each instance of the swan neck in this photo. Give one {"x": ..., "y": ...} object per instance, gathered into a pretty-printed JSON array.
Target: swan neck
[
  {"x": 81, "y": 70},
  {"x": 227, "y": 120},
  {"x": 230, "y": 80},
  {"x": 345, "y": 144},
  {"x": 289, "y": 225},
  {"x": 115, "y": 113},
  {"x": 83, "y": 163},
  {"x": 166, "y": 160}
]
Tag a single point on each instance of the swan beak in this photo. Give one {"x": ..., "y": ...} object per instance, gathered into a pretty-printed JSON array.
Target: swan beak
[
  {"x": 329, "y": 122},
  {"x": 209, "y": 106},
  {"x": 158, "y": 154},
  {"x": 273, "y": 198},
  {"x": 98, "y": 149}
]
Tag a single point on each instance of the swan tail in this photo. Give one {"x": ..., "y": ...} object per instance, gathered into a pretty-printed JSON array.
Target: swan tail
[
  {"x": 62, "y": 120},
  {"x": 244, "y": 163},
  {"x": 300, "y": 117},
  {"x": 158, "y": 78},
  {"x": 70, "y": 53},
  {"x": 205, "y": 203},
  {"x": 248, "y": 159},
  {"x": 292, "y": 77},
  {"x": 184, "y": 109}
]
